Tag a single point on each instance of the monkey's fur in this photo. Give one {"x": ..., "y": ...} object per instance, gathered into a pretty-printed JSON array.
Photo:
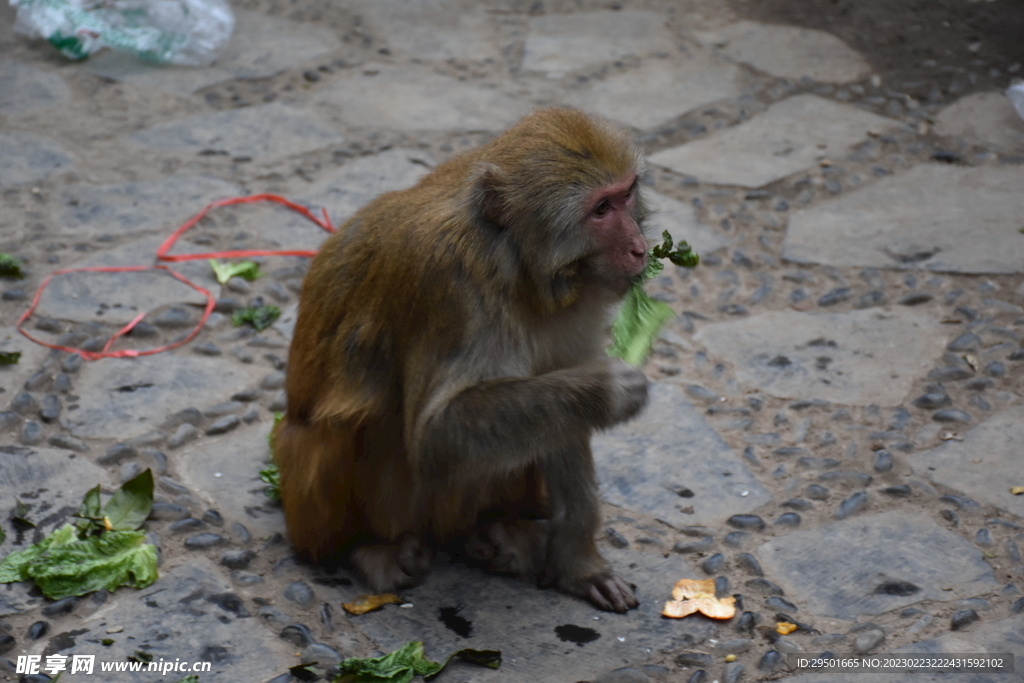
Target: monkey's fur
[{"x": 448, "y": 367}]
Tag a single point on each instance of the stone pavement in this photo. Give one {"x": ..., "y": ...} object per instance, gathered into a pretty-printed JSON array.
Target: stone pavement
[{"x": 837, "y": 414}]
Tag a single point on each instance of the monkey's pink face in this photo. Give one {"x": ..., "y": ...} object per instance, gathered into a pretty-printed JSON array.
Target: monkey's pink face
[{"x": 621, "y": 252}]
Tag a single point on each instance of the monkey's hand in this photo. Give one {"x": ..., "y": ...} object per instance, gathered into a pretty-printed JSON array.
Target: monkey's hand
[
  {"x": 606, "y": 590},
  {"x": 626, "y": 388},
  {"x": 400, "y": 564}
]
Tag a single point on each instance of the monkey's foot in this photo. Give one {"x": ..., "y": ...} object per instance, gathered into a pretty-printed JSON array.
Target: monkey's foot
[
  {"x": 509, "y": 548},
  {"x": 387, "y": 567},
  {"x": 606, "y": 590}
]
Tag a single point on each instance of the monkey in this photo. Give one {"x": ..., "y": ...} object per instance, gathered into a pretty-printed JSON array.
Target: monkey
[{"x": 447, "y": 366}]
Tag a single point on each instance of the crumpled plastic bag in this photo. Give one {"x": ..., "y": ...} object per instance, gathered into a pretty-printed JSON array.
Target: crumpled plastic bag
[{"x": 186, "y": 32}]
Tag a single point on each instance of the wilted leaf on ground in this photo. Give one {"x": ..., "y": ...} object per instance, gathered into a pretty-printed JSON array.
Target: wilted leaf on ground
[
  {"x": 10, "y": 266},
  {"x": 401, "y": 665},
  {"x": 698, "y": 595},
  {"x": 260, "y": 317},
  {"x": 368, "y": 603},
  {"x": 9, "y": 357}
]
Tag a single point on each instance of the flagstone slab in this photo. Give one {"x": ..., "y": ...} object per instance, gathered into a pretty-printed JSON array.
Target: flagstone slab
[
  {"x": 789, "y": 51},
  {"x": 988, "y": 461},
  {"x": 126, "y": 208},
  {"x": 260, "y": 47},
  {"x": 659, "y": 89},
  {"x": 789, "y": 136},
  {"x": 519, "y": 619},
  {"x": 983, "y": 118},
  {"x": 28, "y": 157},
  {"x": 855, "y": 358},
  {"x": 121, "y": 398},
  {"x": 559, "y": 43},
  {"x": 225, "y": 471},
  {"x": 642, "y": 465},
  {"x": 384, "y": 96},
  {"x": 25, "y": 88},
  {"x": 425, "y": 31},
  {"x": 263, "y": 132},
  {"x": 178, "y": 619},
  {"x": 932, "y": 217},
  {"x": 840, "y": 569},
  {"x": 342, "y": 192},
  {"x": 680, "y": 219}
]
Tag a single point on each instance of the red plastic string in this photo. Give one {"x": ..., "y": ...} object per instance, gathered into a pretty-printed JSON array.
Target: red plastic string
[
  {"x": 125, "y": 353},
  {"x": 162, "y": 255}
]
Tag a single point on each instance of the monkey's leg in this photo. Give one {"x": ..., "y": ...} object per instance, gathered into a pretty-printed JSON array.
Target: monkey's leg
[
  {"x": 510, "y": 546},
  {"x": 574, "y": 564},
  {"x": 387, "y": 567}
]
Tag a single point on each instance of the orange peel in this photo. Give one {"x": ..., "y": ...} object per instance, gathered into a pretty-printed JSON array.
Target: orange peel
[{"x": 698, "y": 595}]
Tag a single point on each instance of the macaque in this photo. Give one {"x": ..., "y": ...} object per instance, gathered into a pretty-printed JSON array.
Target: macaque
[{"x": 448, "y": 364}]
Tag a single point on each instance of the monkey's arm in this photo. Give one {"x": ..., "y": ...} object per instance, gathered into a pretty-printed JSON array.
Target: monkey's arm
[{"x": 503, "y": 424}]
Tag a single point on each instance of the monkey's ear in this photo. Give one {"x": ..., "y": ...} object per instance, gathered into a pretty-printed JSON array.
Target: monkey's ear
[{"x": 488, "y": 194}]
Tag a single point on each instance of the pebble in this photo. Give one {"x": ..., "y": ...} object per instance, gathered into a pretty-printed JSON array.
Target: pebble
[
  {"x": 129, "y": 471},
  {"x": 224, "y": 425},
  {"x": 31, "y": 433},
  {"x": 700, "y": 546},
  {"x": 713, "y": 563},
  {"x": 296, "y": 634},
  {"x": 883, "y": 460},
  {"x": 615, "y": 538},
  {"x": 698, "y": 659},
  {"x": 182, "y": 435},
  {"x": 7, "y": 643},
  {"x": 203, "y": 541},
  {"x": 931, "y": 401},
  {"x": 949, "y": 374},
  {"x": 968, "y": 341},
  {"x": 229, "y": 602},
  {"x": 950, "y": 516},
  {"x": 868, "y": 640},
  {"x": 951, "y": 415},
  {"x": 816, "y": 492},
  {"x": 780, "y": 603},
  {"x": 68, "y": 442},
  {"x": 38, "y": 630},
  {"x": 143, "y": 330},
  {"x": 771, "y": 660},
  {"x": 49, "y": 325},
  {"x": 733, "y": 671},
  {"x": 901, "y": 491},
  {"x": 923, "y": 622},
  {"x": 699, "y": 676},
  {"x": 299, "y": 592},
  {"x": 324, "y": 655},
  {"x": 749, "y": 564},
  {"x": 240, "y": 533},
  {"x": 962, "y": 502},
  {"x": 185, "y": 525},
  {"x": 24, "y": 404},
  {"x": 61, "y": 607},
  {"x": 206, "y": 349},
  {"x": 624, "y": 675},
  {"x": 700, "y": 393},
  {"x": 279, "y": 403},
  {"x": 237, "y": 559},
  {"x": 1018, "y": 607},
  {"x": 984, "y": 538},
  {"x": 915, "y": 298},
  {"x": 835, "y": 296},
  {"x": 51, "y": 408},
  {"x": 116, "y": 453},
  {"x": 168, "y": 512},
  {"x": 977, "y": 604},
  {"x": 173, "y": 318},
  {"x": 14, "y": 294},
  {"x": 9, "y": 420},
  {"x": 746, "y": 522},
  {"x": 721, "y": 587},
  {"x": 213, "y": 517},
  {"x": 963, "y": 619},
  {"x": 799, "y": 503},
  {"x": 747, "y": 622},
  {"x": 853, "y": 504},
  {"x": 995, "y": 369},
  {"x": 241, "y": 578},
  {"x": 274, "y": 380},
  {"x": 788, "y": 519}
]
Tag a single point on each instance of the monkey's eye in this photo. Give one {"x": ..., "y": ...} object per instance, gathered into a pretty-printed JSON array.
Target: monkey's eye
[{"x": 602, "y": 207}]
